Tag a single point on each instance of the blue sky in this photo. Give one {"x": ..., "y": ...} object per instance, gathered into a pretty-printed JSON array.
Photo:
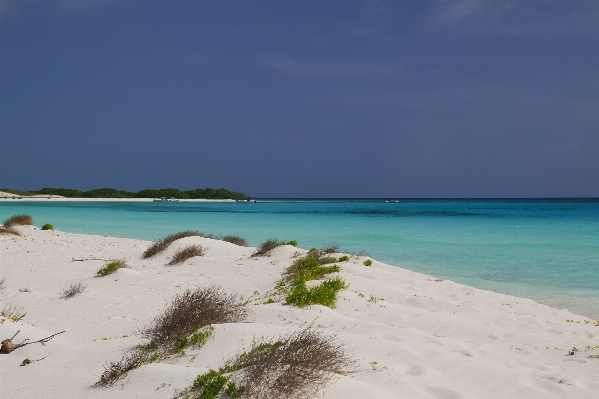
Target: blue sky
[{"x": 302, "y": 98}]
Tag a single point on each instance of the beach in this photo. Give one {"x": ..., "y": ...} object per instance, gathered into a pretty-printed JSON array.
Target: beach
[{"x": 410, "y": 335}]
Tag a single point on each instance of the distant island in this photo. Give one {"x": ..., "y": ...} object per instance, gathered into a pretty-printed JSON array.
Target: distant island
[{"x": 198, "y": 193}]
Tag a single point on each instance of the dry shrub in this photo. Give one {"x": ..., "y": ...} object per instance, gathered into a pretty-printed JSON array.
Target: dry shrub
[
  {"x": 191, "y": 310},
  {"x": 114, "y": 371},
  {"x": 9, "y": 230},
  {"x": 3, "y": 282},
  {"x": 112, "y": 267},
  {"x": 72, "y": 290},
  {"x": 266, "y": 247},
  {"x": 235, "y": 240},
  {"x": 13, "y": 312},
  {"x": 162, "y": 244},
  {"x": 182, "y": 254},
  {"x": 331, "y": 249},
  {"x": 297, "y": 365},
  {"x": 18, "y": 220}
]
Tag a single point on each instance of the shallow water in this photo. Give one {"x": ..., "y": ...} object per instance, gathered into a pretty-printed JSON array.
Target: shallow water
[{"x": 547, "y": 250}]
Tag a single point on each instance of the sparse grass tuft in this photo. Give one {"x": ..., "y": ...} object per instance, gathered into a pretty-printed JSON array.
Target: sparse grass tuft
[
  {"x": 266, "y": 247},
  {"x": 47, "y": 226},
  {"x": 9, "y": 230},
  {"x": 189, "y": 313},
  {"x": 368, "y": 262},
  {"x": 235, "y": 240},
  {"x": 13, "y": 312},
  {"x": 331, "y": 249},
  {"x": 3, "y": 282},
  {"x": 344, "y": 258},
  {"x": 18, "y": 220},
  {"x": 114, "y": 371},
  {"x": 182, "y": 254},
  {"x": 72, "y": 290},
  {"x": 296, "y": 365},
  {"x": 162, "y": 244},
  {"x": 111, "y": 267}
]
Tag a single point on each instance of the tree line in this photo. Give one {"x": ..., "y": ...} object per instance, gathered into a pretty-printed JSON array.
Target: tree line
[{"x": 198, "y": 193}]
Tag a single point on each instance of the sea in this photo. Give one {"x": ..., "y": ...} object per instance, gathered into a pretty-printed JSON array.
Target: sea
[{"x": 543, "y": 249}]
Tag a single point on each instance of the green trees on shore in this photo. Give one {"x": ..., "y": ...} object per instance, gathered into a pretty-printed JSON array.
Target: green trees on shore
[{"x": 198, "y": 193}]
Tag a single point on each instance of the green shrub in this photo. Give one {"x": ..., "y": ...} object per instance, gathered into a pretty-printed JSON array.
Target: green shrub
[
  {"x": 344, "y": 258},
  {"x": 368, "y": 262},
  {"x": 47, "y": 226},
  {"x": 292, "y": 243},
  {"x": 323, "y": 294},
  {"x": 111, "y": 267}
]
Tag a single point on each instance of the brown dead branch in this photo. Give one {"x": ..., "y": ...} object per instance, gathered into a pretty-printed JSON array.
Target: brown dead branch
[{"x": 8, "y": 346}]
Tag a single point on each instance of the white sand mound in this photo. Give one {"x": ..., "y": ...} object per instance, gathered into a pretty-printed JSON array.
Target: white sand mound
[{"x": 411, "y": 336}]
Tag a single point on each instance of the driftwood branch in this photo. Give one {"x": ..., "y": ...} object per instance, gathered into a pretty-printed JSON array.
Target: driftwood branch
[
  {"x": 83, "y": 260},
  {"x": 28, "y": 361},
  {"x": 8, "y": 346}
]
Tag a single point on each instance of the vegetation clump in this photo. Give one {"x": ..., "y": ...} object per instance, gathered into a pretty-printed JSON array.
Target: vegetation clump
[
  {"x": 296, "y": 365},
  {"x": 47, "y": 226},
  {"x": 18, "y": 220},
  {"x": 72, "y": 290},
  {"x": 187, "y": 320},
  {"x": 368, "y": 262},
  {"x": 267, "y": 246},
  {"x": 116, "y": 370},
  {"x": 189, "y": 313},
  {"x": 235, "y": 240},
  {"x": 161, "y": 245},
  {"x": 9, "y": 230},
  {"x": 111, "y": 267},
  {"x": 13, "y": 312},
  {"x": 314, "y": 266},
  {"x": 3, "y": 282},
  {"x": 182, "y": 254}
]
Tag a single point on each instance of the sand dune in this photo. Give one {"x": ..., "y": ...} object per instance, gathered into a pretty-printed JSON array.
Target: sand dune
[{"x": 411, "y": 336}]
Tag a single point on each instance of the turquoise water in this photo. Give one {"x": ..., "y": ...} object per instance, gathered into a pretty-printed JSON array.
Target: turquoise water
[{"x": 547, "y": 250}]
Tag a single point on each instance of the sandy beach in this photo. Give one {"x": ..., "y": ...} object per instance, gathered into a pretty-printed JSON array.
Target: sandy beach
[{"x": 409, "y": 335}]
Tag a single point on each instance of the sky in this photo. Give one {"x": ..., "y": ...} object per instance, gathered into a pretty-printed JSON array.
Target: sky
[{"x": 353, "y": 99}]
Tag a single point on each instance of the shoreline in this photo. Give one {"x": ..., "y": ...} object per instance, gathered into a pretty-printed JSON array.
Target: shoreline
[{"x": 411, "y": 335}]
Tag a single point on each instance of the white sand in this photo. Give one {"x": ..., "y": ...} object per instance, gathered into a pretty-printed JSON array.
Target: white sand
[{"x": 429, "y": 339}]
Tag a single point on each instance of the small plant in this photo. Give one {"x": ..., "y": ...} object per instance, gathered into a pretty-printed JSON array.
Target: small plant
[
  {"x": 72, "y": 290},
  {"x": 111, "y": 267},
  {"x": 12, "y": 312},
  {"x": 9, "y": 230},
  {"x": 323, "y": 294},
  {"x": 185, "y": 253},
  {"x": 235, "y": 240},
  {"x": 47, "y": 226},
  {"x": 18, "y": 220},
  {"x": 293, "y": 243},
  {"x": 3, "y": 281},
  {"x": 344, "y": 258},
  {"x": 162, "y": 244},
  {"x": 266, "y": 247},
  {"x": 368, "y": 262},
  {"x": 114, "y": 371},
  {"x": 189, "y": 313},
  {"x": 296, "y": 365},
  {"x": 331, "y": 249}
]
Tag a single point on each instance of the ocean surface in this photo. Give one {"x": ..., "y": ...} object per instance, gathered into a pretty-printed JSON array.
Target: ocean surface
[{"x": 546, "y": 250}]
